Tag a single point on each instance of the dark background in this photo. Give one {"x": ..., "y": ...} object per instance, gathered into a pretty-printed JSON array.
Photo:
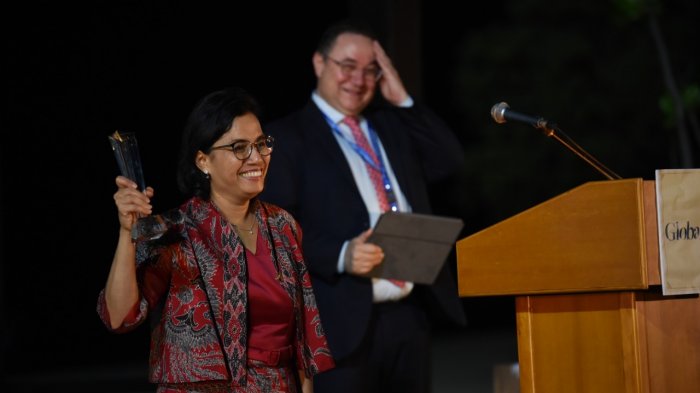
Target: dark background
[{"x": 74, "y": 73}]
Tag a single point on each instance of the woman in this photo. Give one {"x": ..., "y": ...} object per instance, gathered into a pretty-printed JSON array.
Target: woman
[{"x": 226, "y": 282}]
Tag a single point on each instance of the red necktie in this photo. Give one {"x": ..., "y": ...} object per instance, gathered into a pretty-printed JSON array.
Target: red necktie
[
  {"x": 373, "y": 170},
  {"x": 374, "y": 173}
]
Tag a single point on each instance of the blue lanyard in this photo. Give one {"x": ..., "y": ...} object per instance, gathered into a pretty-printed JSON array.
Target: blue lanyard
[{"x": 366, "y": 157}]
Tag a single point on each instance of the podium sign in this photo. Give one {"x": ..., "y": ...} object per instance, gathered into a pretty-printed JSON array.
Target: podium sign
[{"x": 678, "y": 204}]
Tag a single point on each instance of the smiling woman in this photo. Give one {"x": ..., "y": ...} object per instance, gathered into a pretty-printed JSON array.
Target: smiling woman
[{"x": 228, "y": 274}]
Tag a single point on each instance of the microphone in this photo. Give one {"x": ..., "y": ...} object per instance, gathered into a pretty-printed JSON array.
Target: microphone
[{"x": 501, "y": 112}]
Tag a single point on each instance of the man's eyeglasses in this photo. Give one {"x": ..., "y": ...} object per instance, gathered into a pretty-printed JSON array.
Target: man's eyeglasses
[
  {"x": 372, "y": 71},
  {"x": 242, "y": 149}
]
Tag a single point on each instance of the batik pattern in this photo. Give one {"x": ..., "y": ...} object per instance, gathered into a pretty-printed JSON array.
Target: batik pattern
[{"x": 193, "y": 281}]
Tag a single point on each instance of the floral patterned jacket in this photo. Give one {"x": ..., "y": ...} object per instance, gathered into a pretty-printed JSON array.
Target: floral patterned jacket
[{"x": 193, "y": 279}]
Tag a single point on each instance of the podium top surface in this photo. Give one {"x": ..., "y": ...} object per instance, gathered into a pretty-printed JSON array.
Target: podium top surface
[{"x": 591, "y": 238}]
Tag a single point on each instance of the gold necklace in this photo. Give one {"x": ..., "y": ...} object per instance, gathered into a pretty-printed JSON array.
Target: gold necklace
[{"x": 249, "y": 230}]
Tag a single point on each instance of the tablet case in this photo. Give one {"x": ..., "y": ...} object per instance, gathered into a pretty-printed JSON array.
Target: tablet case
[{"x": 415, "y": 245}]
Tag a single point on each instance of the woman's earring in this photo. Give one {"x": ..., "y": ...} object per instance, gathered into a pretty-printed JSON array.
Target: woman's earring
[{"x": 206, "y": 174}]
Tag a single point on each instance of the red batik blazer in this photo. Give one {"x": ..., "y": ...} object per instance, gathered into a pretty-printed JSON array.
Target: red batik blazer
[{"x": 195, "y": 277}]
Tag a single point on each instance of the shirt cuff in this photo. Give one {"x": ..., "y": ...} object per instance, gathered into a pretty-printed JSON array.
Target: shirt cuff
[
  {"x": 407, "y": 103},
  {"x": 341, "y": 258}
]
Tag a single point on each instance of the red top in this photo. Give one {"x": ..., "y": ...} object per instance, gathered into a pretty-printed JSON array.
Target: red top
[{"x": 270, "y": 310}]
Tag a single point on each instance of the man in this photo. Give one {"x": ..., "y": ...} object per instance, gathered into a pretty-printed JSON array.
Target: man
[{"x": 337, "y": 182}]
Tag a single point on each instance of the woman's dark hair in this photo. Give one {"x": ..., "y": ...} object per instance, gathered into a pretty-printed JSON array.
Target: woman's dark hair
[
  {"x": 328, "y": 37},
  {"x": 211, "y": 118}
]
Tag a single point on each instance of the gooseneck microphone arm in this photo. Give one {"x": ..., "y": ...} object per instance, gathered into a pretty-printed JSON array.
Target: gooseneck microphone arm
[
  {"x": 501, "y": 112},
  {"x": 553, "y": 131}
]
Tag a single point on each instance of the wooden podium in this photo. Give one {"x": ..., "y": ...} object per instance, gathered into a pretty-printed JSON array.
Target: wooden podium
[{"x": 584, "y": 267}]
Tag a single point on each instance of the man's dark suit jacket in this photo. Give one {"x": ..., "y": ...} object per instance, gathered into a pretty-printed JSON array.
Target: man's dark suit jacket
[{"x": 309, "y": 176}]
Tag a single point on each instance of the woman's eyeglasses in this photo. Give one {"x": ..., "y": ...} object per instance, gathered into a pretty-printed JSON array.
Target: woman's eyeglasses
[{"x": 242, "y": 149}]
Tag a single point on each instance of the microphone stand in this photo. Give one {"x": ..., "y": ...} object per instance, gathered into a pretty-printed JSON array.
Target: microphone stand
[{"x": 553, "y": 131}]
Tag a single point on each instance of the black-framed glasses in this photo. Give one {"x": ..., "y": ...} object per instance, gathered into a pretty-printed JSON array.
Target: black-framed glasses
[
  {"x": 372, "y": 71},
  {"x": 242, "y": 149}
]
